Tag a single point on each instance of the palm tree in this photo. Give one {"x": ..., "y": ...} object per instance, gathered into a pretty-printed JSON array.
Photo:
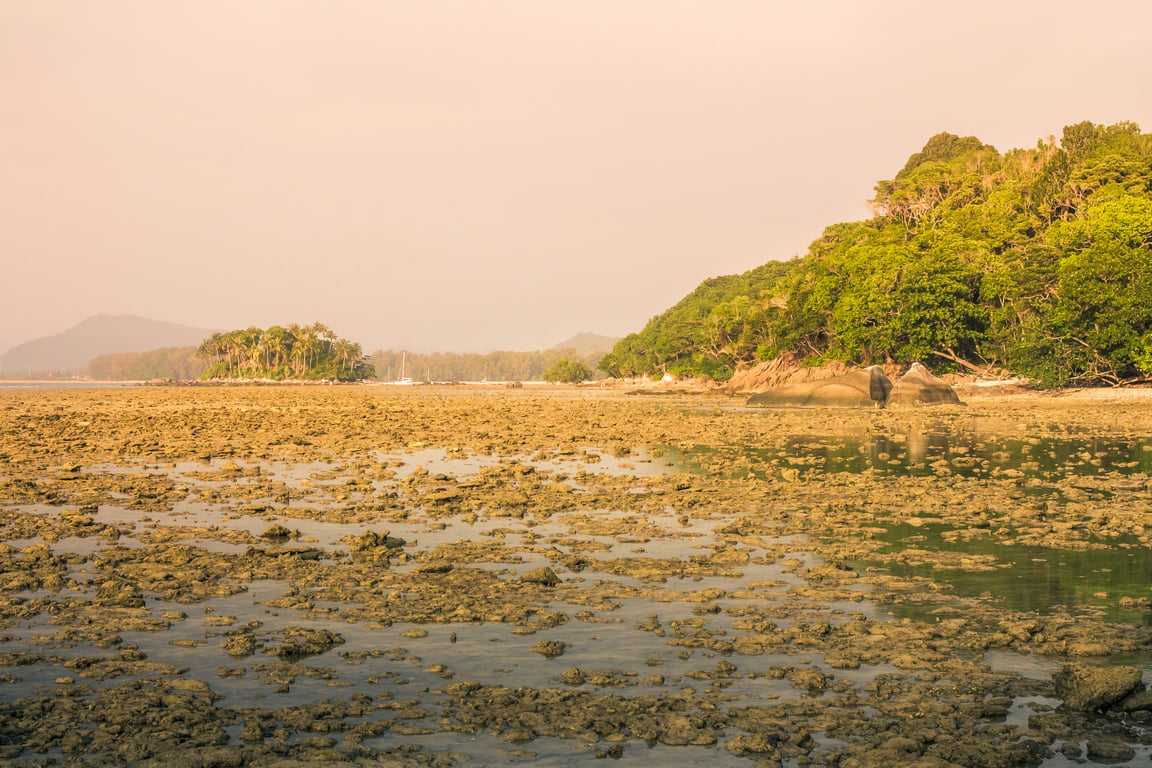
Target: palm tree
[
  {"x": 306, "y": 349},
  {"x": 305, "y": 352},
  {"x": 276, "y": 344},
  {"x": 298, "y": 350}
]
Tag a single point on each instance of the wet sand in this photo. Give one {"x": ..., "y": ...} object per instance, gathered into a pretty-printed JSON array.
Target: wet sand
[{"x": 468, "y": 576}]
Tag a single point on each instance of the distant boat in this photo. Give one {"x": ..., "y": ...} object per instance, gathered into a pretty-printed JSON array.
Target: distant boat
[{"x": 404, "y": 381}]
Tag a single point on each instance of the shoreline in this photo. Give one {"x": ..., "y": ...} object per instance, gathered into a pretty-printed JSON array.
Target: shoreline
[{"x": 970, "y": 391}]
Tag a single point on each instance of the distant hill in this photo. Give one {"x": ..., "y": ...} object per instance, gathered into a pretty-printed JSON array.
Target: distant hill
[
  {"x": 588, "y": 343},
  {"x": 67, "y": 353}
]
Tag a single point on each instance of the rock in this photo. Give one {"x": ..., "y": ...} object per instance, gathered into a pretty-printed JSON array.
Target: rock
[
  {"x": 808, "y": 678},
  {"x": 750, "y": 744},
  {"x": 116, "y": 592},
  {"x": 368, "y": 541},
  {"x": 1110, "y": 749},
  {"x": 302, "y": 642},
  {"x": 550, "y": 649},
  {"x": 919, "y": 387},
  {"x": 544, "y": 576},
  {"x": 1140, "y": 701},
  {"x": 864, "y": 388},
  {"x": 679, "y": 731},
  {"x": 573, "y": 676},
  {"x": 277, "y": 533},
  {"x": 1087, "y": 688},
  {"x": 786, "y": 369}
]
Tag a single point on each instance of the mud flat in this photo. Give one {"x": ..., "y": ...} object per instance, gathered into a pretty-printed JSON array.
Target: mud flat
[{"x": 464, "y": 576}]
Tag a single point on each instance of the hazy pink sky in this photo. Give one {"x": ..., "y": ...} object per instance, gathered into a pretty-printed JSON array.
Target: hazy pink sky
[{"x": 472, "y": 174}]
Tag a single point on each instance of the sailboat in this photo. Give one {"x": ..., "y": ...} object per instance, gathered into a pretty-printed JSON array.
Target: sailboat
[{"x": 405, "y": 381}]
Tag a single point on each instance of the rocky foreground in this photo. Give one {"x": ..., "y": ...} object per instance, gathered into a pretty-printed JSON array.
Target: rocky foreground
[{"x": 409, "y": 577}]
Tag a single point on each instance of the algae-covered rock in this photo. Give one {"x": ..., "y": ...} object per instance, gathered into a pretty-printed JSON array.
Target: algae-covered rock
[
  {"x": 550, "y": 649},
  {"x": 1136, "y": 702},
  {"x": 1086, "y": 688},
  {"x": 543, "y": 576},
  {"x": 116, "y": 592},
  {"x": 301, "y": 642},
  {"x": 751, "y": 744},
  {"x": 277, "y": 533},
  {"x": 1110, "y": 750}
]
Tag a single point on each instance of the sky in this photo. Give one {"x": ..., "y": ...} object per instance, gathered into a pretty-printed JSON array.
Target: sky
[{"x": 469, "y": 175}]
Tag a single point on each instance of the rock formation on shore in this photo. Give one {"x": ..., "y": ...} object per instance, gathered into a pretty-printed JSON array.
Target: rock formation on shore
[
  {"x": 862, "y": 388},
  {"x": 919, "y": 387}
]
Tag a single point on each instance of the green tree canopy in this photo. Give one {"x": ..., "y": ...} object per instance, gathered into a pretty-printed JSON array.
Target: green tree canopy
[
  {"x": 1036, "y": 261},
  {"x": 311, "y": 352},
  {"x": 567, "y": 371}
]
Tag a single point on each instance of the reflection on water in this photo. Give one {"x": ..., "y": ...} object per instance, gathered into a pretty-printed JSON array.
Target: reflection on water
[
  {"x": 972, "y": 455},
  {"x": 1030, "y": 578},
  {"x": 1111, "y": 579},
  {"x": 937, "y": 452}
]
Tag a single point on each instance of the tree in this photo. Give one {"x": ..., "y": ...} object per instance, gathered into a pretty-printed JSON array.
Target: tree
[
  {"x": 309, "y": 352},
  {"x": 1100, "y": 319},
  {"x": 1038, "y": 261},
  {"x": 567, "y": 371},
  {"x": 164, "y": 363}
]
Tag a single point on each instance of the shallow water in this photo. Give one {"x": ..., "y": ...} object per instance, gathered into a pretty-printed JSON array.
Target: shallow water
[
  {"x": 1031, "y": 578},
  {"x": 1022, "y": 577},
  {"x": 942, "y": 451}
]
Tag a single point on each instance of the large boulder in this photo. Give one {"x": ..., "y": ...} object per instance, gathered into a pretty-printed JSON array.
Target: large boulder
[
  {"x": 782, "y": 371},
  {"x": 1086, "y": 688},
  {"x": 919, "y": 387},
  {"x": 865, "y": 388}
]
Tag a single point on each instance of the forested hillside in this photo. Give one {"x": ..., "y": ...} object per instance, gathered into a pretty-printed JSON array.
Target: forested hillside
[{"x": 1035, "y": 261}]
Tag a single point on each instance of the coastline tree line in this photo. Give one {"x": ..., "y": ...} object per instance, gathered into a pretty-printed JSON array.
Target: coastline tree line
[
  {"x": 1036, "y": 262},
  {"x": 164, "y": 363},
  {"x": 392, "y": 365},
  {"x": 315, "y": 353}
]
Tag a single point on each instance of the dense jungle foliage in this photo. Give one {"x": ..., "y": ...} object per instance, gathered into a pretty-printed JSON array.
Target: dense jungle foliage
[
  {"x": 310, "y": 352},
  {"x": 1036, "y": 261}
]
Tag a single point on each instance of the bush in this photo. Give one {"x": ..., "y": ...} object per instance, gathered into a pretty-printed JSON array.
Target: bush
[{"x": 566, "y": 371}]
